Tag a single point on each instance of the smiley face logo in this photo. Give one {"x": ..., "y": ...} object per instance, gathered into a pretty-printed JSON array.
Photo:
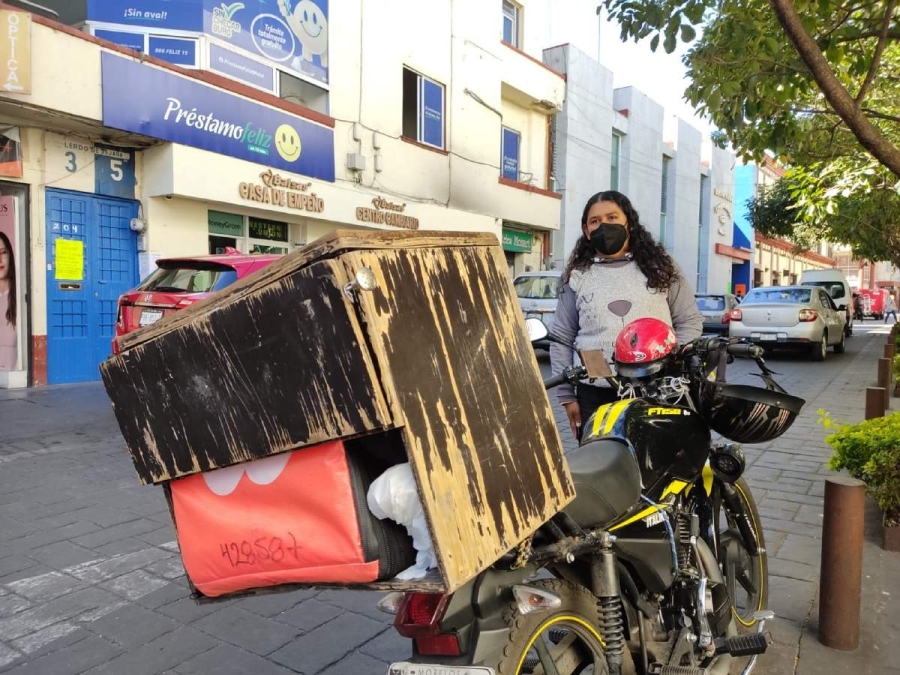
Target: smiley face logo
[{"x": 287, "y": 142}]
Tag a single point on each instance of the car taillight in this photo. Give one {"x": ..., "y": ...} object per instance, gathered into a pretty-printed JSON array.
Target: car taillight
[
  {"x": 808, "y": 315},
  {"x": 726, "y": 317},
  {"x": 737, "y": 315},
  {"x": 184, "y": 302},
  {"x": 420, "y": 614},
  {"x": 437, "y": 645},
  {"x": 120, "y": 315}
]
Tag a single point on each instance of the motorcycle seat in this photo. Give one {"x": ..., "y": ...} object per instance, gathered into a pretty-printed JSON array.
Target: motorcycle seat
[{"x": 607, "y": 481}]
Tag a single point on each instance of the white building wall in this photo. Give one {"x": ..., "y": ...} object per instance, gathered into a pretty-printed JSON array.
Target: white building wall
[
  {"x": 718, "y": 210},
  {"x": 641, "y": 166},
  {"x": 583, "y": 140},
  {"x": 683, "y": 240}
]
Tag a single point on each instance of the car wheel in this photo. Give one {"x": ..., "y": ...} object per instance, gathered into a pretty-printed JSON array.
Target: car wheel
[
  {"x": 841, "y": 346},
  {"x": 819, "y": 350},
  {"x": 848, "y": 328}
]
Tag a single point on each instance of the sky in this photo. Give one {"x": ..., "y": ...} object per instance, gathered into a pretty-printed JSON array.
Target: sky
[{"x": 659, "y": 75}]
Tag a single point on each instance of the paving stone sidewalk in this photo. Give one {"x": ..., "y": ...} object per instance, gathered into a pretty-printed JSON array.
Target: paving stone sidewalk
[{"x": 91, "y": 581}]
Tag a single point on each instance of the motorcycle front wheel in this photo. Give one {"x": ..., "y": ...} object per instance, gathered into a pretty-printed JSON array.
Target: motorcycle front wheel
[
  {"x": 565, "y": 640},
  {"x": 746, "y": 576}
]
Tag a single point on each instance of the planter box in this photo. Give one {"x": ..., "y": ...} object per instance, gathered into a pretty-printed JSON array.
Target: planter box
[
  {"x": 890, "y": 538},
  {"x": 288, "y": 357}
]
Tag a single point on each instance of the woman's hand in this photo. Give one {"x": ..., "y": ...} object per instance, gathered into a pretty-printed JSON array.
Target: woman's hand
[{"x": 573, "y": 412}]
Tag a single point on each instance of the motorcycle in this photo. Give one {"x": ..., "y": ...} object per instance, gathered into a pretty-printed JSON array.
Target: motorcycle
[{"x": 658, "y": 567}]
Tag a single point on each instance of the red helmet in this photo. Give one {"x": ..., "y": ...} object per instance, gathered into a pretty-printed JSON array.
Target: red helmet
[{"x": 643, "y": 346}]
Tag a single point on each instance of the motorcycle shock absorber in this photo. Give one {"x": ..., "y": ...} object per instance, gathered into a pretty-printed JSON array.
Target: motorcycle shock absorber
[{"x": 605, "y": 582}]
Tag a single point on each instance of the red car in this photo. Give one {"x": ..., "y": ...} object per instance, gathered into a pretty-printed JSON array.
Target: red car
[{"x": 179, "y": 283}]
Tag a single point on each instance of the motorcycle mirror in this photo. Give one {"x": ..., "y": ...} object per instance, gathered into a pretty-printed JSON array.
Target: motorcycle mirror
[{"x": 536, "y": 329}]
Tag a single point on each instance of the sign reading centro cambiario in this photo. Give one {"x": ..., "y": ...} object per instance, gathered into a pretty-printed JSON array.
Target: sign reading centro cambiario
[
  {"x": 153, "y": 102},
  {"x": 282, "y": 191},
  {"x": 386, "y": 213}
]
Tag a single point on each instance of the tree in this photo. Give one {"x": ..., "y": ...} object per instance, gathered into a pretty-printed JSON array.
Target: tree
[
  {"x": 805, "y": 207},
  {"x": 817, "y": 83}
]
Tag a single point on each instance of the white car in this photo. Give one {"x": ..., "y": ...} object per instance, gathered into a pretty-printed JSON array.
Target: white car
[
  {"x": 799, "y": 317},
  {"x": 833, "y": 281},
  {"x": 538, "y": 292}
]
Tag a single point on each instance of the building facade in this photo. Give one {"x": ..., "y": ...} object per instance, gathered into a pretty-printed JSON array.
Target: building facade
[
  {"x": 159, "y": 134},
  {"x": 620, "y": 139}
]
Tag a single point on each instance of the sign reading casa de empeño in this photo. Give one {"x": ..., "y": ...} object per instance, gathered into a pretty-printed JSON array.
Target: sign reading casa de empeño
[
  {"x": 282, "y": 191},
  {"x": 386, "y": 213}
]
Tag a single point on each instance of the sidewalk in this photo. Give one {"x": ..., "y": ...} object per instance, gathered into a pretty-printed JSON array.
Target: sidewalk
[{"x": 91, "y": 581}]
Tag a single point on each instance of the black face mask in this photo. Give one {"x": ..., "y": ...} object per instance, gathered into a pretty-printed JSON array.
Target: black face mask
[{"x": 609, "y": 239}]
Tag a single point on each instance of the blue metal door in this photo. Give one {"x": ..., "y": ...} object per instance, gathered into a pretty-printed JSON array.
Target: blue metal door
[{"x": 95, "y": 262}]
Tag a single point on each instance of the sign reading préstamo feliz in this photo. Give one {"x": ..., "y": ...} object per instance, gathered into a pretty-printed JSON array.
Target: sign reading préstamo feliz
[{"x": 150, "y": 101}]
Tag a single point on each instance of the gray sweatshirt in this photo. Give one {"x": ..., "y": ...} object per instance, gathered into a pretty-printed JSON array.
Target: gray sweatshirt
[{"x": 578, "y": 321}]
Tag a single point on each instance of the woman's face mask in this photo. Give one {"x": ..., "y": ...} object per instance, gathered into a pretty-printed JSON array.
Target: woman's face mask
[{"x": 609, "y": 239}]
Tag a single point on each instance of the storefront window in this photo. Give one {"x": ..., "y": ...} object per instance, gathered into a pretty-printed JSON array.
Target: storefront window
[{"x": 246, "y": 234}]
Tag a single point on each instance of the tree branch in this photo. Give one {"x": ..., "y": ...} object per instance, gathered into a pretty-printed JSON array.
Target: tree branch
[
  {"x": 835, "y": 93},
  {"x": 891, "y": 34},
  {"x": 879, "y": 49}
]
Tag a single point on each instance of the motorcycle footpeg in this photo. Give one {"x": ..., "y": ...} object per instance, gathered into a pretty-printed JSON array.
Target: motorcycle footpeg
[
  {"x": 744, "y": 645},
  {"x": 680, "y": 670}
]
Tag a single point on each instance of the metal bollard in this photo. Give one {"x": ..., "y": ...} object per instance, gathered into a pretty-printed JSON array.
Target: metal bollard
[
  {"x": 841, "y": 576},
  {"x": 884, "y": 380},
  {"x": 874, "y": 402}
]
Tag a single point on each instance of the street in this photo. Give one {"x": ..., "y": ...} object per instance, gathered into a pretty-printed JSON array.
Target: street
[{"x": 91, "y": 580}]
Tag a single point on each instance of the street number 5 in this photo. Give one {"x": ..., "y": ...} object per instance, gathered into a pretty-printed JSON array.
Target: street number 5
[{"x": 115, "y": 166}]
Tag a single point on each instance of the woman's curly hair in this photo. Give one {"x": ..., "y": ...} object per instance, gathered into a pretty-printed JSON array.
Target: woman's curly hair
[{"x": 651, "y": 257}]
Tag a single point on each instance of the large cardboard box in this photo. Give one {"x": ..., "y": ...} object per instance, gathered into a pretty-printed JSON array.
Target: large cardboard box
[{"x": 296, "y": 355}]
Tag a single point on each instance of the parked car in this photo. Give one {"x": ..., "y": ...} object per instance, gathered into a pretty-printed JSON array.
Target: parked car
[
  {"x": 803, "y": 317},
  {"x": 180, "y": 282},
  {"x": 537, "y": 292},
  {"x": 716, "y": 311},
  {"x": 833, "y": 281}
]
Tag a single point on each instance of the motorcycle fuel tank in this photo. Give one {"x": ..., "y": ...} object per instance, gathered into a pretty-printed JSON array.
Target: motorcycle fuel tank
[{"x": 671, "y": 442}]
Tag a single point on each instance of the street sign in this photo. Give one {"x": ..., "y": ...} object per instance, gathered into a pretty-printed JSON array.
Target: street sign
[{"x": 15, "y": 52}]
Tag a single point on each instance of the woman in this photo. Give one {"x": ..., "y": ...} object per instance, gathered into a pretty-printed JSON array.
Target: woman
[
  {"x": 617, "y": 273},
  {"x": 8, "y": 349}
]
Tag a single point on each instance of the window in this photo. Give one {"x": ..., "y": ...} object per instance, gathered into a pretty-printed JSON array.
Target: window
[
  {"x": 664, "y": 199},
  {"x": 423, "y": 109},
  {"x": 249, "y": 235},
  {"x": 537, "y": 287},
  {"x": 711, "y": 303},
  {"x": 509, "y": 154},
  {"x": 793, "y": 296},
  {"x": 511, "y": 24},
  {"x": 614, "y": 162}
]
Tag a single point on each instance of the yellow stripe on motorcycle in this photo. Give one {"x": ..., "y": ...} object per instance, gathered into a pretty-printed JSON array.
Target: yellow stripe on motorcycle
[
  {"x": 674, "y": 488},
  {"x": 707, "y": 479},
  {"x": 599, "y": 417},
  {"x": 614, "y": 414},
  {"x": 649, "y": 511}
]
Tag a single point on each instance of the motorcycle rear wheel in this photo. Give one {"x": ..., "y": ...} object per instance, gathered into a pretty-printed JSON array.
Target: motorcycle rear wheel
[
  {"x": 747, "y": 578},
  {"x": 567, "y": 636}
]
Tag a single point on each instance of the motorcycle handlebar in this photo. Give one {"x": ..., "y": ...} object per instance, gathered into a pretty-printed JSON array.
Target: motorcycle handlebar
[
  {"x": 746, "y": 350},
  {"x": 554, "y": 381}
]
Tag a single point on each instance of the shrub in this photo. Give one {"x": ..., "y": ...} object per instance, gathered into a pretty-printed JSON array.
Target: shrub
[{"x": 870, "y": 451}]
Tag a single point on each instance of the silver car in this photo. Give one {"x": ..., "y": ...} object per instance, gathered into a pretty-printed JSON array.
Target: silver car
[
  {"x": 538, "y": 293},
  {"x": 716, "y": 310},
  {"x": 802, "y": 317}
]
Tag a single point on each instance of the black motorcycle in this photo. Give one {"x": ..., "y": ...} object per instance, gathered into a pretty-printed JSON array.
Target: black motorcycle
[{"x": 659, "y": 564}]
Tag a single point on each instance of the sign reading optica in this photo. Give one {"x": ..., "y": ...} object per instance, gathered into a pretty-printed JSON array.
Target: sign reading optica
[{"x": 150, "y": 101}]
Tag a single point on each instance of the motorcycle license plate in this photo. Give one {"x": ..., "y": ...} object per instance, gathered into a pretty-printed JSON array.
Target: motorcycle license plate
[
  {"x": 405, "y": 668},
  {"x": 149, "y": 316}
]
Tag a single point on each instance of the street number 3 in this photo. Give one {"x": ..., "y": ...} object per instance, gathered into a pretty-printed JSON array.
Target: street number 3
[{"x": 72, "y": 166}]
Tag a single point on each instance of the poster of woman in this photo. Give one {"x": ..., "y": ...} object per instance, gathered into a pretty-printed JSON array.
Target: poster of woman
[{"x": 8, "y": 339}]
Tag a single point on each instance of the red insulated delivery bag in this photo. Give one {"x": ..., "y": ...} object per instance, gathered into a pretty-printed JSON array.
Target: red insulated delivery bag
[{"x": 295, "y": 517}]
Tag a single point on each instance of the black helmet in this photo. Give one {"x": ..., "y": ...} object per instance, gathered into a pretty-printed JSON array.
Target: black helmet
[{"x": 748, "y": 414}]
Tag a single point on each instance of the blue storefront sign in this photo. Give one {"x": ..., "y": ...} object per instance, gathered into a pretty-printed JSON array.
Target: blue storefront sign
[
  {"x": 152, "y": 102},
  {"x": 241, "y": 68},
  {"x": 174, "y": 50},
  {"x": 130, "y": 40},
  {"x": 161, "y": 14},
  {"x": 431, "y": 112},
  {"x": 292, "y": 33},
  {"x": 509, "y": 154}
]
